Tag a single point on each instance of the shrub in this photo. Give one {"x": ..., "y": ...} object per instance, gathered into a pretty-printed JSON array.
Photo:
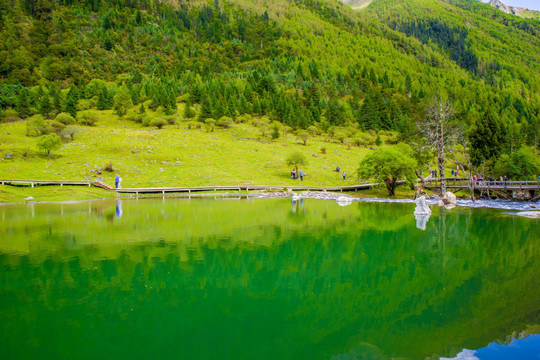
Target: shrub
[
  {"x": 378, "y": 140},
  {"x": 69, "y": 132},
  {"x": 313, "y": 130},
  {"x": 275, "y": 131},
  {"x": 37, "y": 126},
  {"x": 224, "y": 122},
  {"x": 87, "y": 117},
  {"x": 323, "y": 150},
  {"x": 11, "y": 115},
  {"x": 57, "y": 127},
  {"x": 158, "y": 122},
  {"x": 194, "y": 125},
  {"x": 209, "y": 125},
  {"x": 109, "y": 167},
  {"x": 340, "y": 135},
  {"x": 65, "y": 119}
]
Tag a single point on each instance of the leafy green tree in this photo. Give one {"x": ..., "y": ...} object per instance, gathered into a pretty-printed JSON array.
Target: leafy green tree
[
  {"x": 388, "y": 165},
  {"x": 296, "y": 159},
  {"x": 122, "y": 101},
  {"x": 523, "y": 164},
  {"x": 303, "y": 135},
  {"x": 48, "y": 143}
]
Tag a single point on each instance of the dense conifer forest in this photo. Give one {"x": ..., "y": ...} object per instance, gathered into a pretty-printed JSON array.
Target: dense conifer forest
[{"x": 301, "y": 63}]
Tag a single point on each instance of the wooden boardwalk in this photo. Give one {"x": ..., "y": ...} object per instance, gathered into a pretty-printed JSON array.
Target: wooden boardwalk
[
  {"x": 165, "y": 190},
  {"x": 463, "y": 183}
]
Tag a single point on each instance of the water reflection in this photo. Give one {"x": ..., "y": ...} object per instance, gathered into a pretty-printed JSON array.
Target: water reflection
[
  {"x": 421, "y": 221},
  {"x": 119, "y": 211},
  {"x": 239, "y": 280}
]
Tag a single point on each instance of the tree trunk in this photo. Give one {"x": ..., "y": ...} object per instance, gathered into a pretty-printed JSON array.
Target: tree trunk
[
  {"x": 391, "y": 187},
  {"x": 441, "y": 173}
]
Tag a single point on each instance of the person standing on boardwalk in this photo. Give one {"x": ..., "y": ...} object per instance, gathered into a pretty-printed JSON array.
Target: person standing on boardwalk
[{"x": 117, "y": 181}]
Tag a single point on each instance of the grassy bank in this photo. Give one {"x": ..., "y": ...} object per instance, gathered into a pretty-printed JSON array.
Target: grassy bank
[{"x": 176, "y": 155}]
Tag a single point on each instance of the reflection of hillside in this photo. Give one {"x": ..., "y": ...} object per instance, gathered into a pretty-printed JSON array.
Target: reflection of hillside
[
  {"x": 257, "y": 285},
  {"x": 180, "y": 221}
]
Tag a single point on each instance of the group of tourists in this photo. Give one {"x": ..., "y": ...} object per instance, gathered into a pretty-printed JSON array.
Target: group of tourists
[
  {"x": 300, "y": 176},
  {"x": 492, "y": 181}
]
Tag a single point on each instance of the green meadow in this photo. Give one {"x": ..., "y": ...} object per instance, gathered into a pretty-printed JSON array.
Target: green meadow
[{"x": 181, "y": 154}]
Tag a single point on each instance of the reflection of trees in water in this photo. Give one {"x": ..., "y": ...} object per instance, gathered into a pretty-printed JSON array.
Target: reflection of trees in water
[{"x": 365, "y": 276}]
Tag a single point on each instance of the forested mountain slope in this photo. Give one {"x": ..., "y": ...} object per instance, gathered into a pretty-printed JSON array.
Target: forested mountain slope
[{"x": 300, "y": 62}]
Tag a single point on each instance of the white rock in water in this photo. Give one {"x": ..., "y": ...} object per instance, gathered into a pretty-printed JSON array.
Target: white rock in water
[
  {"x": 30, "y": 198},
  {"x": 449, "y": 198},
  {"x": 422, "y": 207},
  {"x": 530, "y": 214},
  {"x": 296, "y": 197},
  {"x": 344, "y": 201}
]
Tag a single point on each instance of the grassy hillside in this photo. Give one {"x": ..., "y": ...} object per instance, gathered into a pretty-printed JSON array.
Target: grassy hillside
[
  {"x": 303, "y": 64},
  {"x": 179, "y": 156}
]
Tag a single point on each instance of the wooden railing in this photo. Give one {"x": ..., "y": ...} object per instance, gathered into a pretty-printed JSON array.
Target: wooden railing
[{"x": 164, "y": 190}]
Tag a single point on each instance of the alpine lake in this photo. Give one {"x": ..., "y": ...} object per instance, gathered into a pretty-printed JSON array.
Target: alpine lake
[{"x": 251, "y": 278}]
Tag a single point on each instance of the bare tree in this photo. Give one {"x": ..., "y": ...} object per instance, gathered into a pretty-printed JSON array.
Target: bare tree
[{"x": 439, "y": 131}]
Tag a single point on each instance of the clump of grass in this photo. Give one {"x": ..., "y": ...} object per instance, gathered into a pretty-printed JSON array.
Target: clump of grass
[{"x": 109, "y": 167}]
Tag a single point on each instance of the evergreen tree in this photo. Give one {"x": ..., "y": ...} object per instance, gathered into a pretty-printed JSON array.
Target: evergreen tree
[
  {"x": 45, "y": 106},
  {"x": 122, "y": 101},
  {"x": 23, "y": 103},
  {"x": 71, "y": 102},
  {"x": 103, "y": 102},
  {"x": 487, "y": 138},
  {"x": 206, "y": 109}
]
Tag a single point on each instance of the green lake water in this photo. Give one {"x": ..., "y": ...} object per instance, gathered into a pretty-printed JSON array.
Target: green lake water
[{"x": 261, "y": 279}]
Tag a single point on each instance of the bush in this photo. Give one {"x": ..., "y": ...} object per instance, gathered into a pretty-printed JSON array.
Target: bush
[
  {"x": 209, "y": 125},
  {"x": 323, "y": 150},
  {"x": 224, "y": 122},
  {"x": 158, "y": 122},
  {"x": 37, "y": 126},
  {"x": 340, "y": 135},
  {"x": 194, "y": 125},
  {"x": 65, "y": 119},
  {"x": 69, "y": 132},
  {"x": 313, "y": 130},
  {"x": 87, "y": 117},
  {"x": 10, "y": 115},
  {"x": 109, "y": 167},
  {"x": 57, "y": 127}
]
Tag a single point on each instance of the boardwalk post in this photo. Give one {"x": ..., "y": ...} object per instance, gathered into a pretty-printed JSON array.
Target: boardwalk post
[{"x": 32, "y": 184}]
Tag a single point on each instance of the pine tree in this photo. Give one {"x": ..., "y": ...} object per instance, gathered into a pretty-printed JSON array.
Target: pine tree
[
  {"x": 103, "y": 102},
  {"x": 23, "y": 103},
  {"x": 487, "y": 138},
  {"x": 45, "y": 106},
  {"x": 122, "y": 101}
]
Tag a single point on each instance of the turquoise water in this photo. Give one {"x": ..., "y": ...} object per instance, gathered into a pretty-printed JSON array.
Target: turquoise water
[{"x": 262, "y": 279}]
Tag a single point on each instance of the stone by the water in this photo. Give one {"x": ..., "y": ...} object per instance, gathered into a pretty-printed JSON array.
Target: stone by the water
[
  {"x": 344, "y": 201},
  {"x": 422, "y": 207},
  {"x": 448, "y": 199}
]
